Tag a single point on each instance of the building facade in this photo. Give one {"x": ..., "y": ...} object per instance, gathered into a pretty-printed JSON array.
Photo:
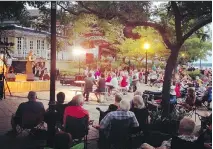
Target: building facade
[{"x": 25, "y": 40}]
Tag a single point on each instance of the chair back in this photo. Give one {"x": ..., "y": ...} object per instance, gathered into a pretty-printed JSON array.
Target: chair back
[
  {"x": 77, "y": 127},
  {"x": 178, "y": 143},
  {"x": 30, "y": 120},
  {"x": 120, "y": 130},
  {"x": 156, "y": 138}
]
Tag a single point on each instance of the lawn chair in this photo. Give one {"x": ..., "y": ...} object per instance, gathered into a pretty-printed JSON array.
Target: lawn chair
[
  {"x": 29, "y": 122},
  {"x": 120, "y": 134},
  {"x": 178, "y": 143},
  {"x": 78, "y": 128}
]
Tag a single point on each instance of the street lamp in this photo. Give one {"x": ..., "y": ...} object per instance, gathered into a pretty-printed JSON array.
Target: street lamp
[
  {"x": 78, "y": 52},
  {"x": 146, "y": 47}
]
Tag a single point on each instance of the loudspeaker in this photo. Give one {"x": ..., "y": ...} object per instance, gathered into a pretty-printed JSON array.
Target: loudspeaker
[
  {"x": 30, "y": 77},
  {"x": 89, "y": 58}
]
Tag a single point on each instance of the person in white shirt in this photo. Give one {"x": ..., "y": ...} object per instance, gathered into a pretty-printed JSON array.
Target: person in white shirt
[{"x": 113, "y": 83}]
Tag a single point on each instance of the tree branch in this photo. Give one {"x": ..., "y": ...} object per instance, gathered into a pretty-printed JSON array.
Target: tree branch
[
  {"x": 72, "y": 11},
  {"x": 178, "y": 29},
  {"x": 197, "y": 26}
]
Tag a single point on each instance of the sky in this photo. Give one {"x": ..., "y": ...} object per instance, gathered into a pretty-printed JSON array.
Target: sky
[{"x": 209, "y": 60}]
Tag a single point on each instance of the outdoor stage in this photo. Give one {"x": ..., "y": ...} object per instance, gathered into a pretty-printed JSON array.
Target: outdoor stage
[{"x": 21, "y": 85}]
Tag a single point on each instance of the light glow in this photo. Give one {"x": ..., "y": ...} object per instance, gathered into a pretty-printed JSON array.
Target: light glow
[
  {"x": 146, "y": 46},
  {"x": 78, "y": 51}
]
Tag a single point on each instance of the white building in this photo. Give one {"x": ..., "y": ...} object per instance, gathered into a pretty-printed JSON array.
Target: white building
[{"x": 26, "y": 39}]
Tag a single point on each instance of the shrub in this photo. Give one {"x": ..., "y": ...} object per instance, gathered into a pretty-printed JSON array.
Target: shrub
[{"x": 193, "y": 74}]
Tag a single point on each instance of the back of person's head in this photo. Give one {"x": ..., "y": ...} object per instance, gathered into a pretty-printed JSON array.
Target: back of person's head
[
  {"x": 124, "y": 105},
  {"x": 138, "y": 93},
  {"x": 77, "y": 100},
  {"x": 186, "y": 126},
  {"x": 62, "y": 141},
  {"x": 102, "y": 75},
  {"x": 90, "y": 75},
  {"x": 60, "y": 97},
  {"x": 32, "y": 96},
  {"x": 191, "y": 91},
  {"x": 138, "y": 102},
  {"x": 118, "y": 98}
]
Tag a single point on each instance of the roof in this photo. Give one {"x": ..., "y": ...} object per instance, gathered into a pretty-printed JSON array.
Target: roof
[{"x": 20, "y": 28}]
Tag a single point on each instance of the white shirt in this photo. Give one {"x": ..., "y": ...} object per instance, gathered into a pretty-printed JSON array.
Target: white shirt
[{"x": 114, "y": 82}]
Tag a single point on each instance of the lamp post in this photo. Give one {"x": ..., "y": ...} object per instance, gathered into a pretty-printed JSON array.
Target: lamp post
[{"x": 146, "y": 47}]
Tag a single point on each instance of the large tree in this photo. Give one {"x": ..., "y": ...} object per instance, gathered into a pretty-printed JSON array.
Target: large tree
[{"x": 175, "y": 22}]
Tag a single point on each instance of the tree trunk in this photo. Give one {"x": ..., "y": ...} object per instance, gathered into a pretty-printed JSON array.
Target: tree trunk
[{"x": 171, "y": 63}]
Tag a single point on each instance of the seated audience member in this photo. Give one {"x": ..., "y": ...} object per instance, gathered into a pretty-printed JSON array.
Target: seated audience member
[
  {"x": 75, "y": 108},
  {"x": 140, "y": 112},
  {"x": 112, "y": 107},
  {"x": 100, "y": 86},
  {"x": 186, "y": 129},
  {"x": 136, "y": 93},
  {"x": 57, "y": 116},
  {"x": 32, "y": 106},
  {"x": 121, "y": 114},
  {"x": 88, "y": 87},
  {"x": 190, "y": 99},
  {"x": 60, "y": 106}
]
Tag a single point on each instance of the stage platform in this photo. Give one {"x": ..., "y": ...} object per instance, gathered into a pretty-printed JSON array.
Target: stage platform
[{"x": 26, "y": 86}]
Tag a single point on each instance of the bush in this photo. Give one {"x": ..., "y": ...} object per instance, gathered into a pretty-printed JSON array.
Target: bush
[{"x": 193, "y": 74}]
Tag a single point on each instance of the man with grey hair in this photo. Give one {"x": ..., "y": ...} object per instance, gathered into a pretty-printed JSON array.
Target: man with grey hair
[
  {"x": 75, "y": 108},
  {"x": 186, "y": 129},
  {"x": 31, "y": 106},
  {"x": 121, "y": 114}
]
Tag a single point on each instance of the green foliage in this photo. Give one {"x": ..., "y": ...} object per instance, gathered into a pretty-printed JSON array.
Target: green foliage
[
  {"x": 193, "y": 74},
  {"x": 134, "y": 48},
  {"x": 194, "y": 49}
]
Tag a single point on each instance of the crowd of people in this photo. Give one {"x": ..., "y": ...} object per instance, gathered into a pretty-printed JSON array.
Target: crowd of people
[{"x": 134, "y": 110}]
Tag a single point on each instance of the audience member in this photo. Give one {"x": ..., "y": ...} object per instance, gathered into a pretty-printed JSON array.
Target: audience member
[
  {"x": 32, "y": 106},
  {"x": 121, "y": 114},
  {"x": 75, "y": 109},
  {"x": 186, "y": 129},
  {"x": 140, "y": 112}
]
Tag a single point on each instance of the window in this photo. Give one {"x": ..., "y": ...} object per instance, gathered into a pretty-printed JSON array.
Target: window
[
  {"x": 38, "y": 46},
  {"x": 25, "y": 46},
  {"x": 19, "y": 47},
  {"x": 31, "y": 45},
  {"x": 5, "y": 39},
  {"x": 42, "y": 44}
]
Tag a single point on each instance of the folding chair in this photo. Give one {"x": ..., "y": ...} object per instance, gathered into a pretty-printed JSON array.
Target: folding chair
[
  {"x": 78, "y": 128},
  {"x": 30, "y": 121}
]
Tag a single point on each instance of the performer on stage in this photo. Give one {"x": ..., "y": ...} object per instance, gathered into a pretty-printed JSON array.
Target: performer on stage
[{"x": 29, "y": 65}]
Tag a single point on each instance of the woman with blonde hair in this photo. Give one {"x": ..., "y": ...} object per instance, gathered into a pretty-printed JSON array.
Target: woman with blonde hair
[{"x": 140, "y": 112}]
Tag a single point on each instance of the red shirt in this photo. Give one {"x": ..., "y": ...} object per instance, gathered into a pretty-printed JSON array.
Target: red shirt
[
  {"x": 177, "y": 90},
  {"x": 124, "y": 82},
  {"x": 75, "y": 111}
]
